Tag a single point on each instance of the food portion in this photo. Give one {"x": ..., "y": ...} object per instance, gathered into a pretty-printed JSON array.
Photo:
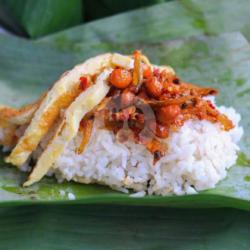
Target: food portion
[
  {"x": 64, "y": 91},
  {"x": 69, "y": 125},
  {"x": 123, "y": 122}
]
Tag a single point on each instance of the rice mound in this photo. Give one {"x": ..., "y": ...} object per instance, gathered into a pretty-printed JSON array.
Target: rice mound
[{"x": 198, "y": 157}]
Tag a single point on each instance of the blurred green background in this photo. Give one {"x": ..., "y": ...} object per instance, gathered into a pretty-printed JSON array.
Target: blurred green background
[{"x": 36, "y": 18}]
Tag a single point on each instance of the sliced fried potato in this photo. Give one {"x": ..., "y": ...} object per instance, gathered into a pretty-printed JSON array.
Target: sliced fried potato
[
  {"x": 69, "y": 126},
  {"x": 64, "y": 91}
]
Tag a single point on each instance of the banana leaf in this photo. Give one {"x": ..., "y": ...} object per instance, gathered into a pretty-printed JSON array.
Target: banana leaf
[
  {"x": 40, "y": 17},
  {"x": 19, "y": 60},
  {"x": 221, "y": 62},
  {"x": 166, "y": 21},
  {"x": 122, "y": 228},
  {"x": 101, "y": 8}
]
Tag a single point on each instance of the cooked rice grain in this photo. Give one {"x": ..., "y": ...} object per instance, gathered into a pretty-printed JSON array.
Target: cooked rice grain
[{"x": 198, "y": 157}]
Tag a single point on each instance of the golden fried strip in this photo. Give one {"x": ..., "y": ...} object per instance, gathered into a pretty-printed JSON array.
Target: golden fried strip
[
  {"x": 64, "y": 91},
  {"x": 86, "y": 130},
  {"x": 69, "y": 126},
  {"x": 9, "y": 115}
]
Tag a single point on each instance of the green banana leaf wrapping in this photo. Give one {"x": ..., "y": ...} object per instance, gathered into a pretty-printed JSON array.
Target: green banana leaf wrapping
[
  {"x": 101, "y": 8},
  {"x": 222, "y": 62},
  {"x": 40, "y": 17},
  {"x": 122, "y": 228},
  {"x": 166, "y": 21}
]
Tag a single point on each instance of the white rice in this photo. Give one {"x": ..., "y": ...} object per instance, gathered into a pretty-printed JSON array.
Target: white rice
[
  {"x": 71, "y": 196},
  {"x": 138, "y": 194},
  {"x": 198, "y": 157}
]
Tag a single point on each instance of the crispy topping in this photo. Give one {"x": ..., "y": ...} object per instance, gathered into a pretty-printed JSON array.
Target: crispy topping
[
  {"x": 86, "y": 127},
  {"x": 147, "y": 72},
  {"x": 154, "y": 87},
  {"x": 127, "y": 98},
  {"x": 120, "y": 78},
  {"x": 145, "y": 103},
  {"x": 156, "y": 103},
  {"x": 167, "y": 114},
  {"x": 137, "y": 73},
  {"x": 176, "y": 81},
  {"x": 124, "y": 114},
  {"x": 157, "y": 148},
  {"x": 159, "y": 130},
  {"x": 226, "y": 123}
]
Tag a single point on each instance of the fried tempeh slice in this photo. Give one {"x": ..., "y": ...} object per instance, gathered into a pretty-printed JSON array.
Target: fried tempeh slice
[
  {"x": 64, "y": 91},
  {"x": 69, "y": 126}
]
